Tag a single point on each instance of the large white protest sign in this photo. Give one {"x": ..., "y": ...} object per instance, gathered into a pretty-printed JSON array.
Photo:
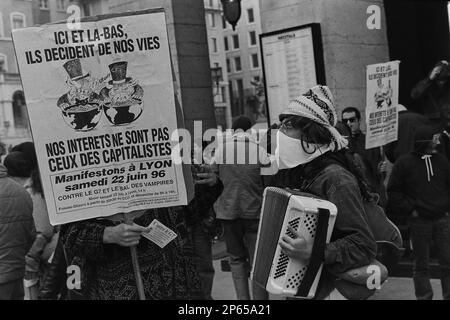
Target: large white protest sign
[
  {"x": 381, "y": 103},
  {"x": 101, "y": 107}
]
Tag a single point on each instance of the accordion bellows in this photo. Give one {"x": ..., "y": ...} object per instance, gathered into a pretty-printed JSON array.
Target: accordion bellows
[{"x": 314, "y": 219}]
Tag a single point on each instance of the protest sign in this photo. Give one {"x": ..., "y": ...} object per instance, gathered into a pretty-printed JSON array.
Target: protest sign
[
  {"x": 381, "y": 103},
  {"x": 102, "y": 110}
]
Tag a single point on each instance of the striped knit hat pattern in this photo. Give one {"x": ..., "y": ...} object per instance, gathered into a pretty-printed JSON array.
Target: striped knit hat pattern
[{"x": 317, "y": 104}]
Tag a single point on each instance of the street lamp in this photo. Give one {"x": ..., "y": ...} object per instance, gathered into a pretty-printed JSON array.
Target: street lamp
[
  {"x": 217, "y": 76},
  {"x": 232, "y": 11}
]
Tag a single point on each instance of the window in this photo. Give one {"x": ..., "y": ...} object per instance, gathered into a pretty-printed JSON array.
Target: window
[
  {"x": 212, "y": 20},
  {"x": 236, "y": 41},
  {"x": 237, "y": 64},
  {"x": 255, "y": 61},
  {"x": 250, "y": 15},
  {"x": 223, "y": 91},
  {"x": 224, "y": 23},
  {"x": 225, "y": 43},
  {"x": 86, "y": 9},
  {"x": 3, "y": 62},
  {"x": 252, "y": 38},
  {"x": 213, "y": 45},
  {"x": 61, "y": 5},
  {"x": 240, "y": 94},
  {"x": 43, "y": 4},
  {"x": 2, "y": 32},
  {"x": 17, "y": 20},
  {"x": 228, "y": 65},
  {"x": 19, "y": 110},
  {"x": 211, "y": 3}
]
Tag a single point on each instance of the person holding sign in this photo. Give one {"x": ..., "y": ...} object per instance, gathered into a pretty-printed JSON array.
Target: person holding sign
[
  {"x": 100, "y": 248},
  {"x": 370, "y": 161}
]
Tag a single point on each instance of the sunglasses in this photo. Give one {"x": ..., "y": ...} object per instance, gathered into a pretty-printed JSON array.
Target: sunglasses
[{"x": 351, "y": 120}]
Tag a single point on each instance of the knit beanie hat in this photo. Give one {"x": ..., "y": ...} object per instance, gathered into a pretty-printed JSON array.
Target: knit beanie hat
[
  {"x": 28, "y": 149},
  {"x": 242, "y": 122},
  {"x": 318, "y": 105},
  {"x": 18, "y": 164}
]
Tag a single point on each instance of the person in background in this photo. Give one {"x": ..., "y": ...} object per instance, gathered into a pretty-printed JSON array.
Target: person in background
[
  {"x": 434, "y": 91},
  {"x": 419, "y": 187},
  {"x": 444, "y": 131},
  {"x": 408, "y": 122},
  {"x": 370, "y": 160},
  {"x": 239, "y": 205},
  {"x": 46, "y": 239},
  {"x": 17, "y": 233},
  {"x": 200, "y": 223},
  {"x": 27, "y": 148},
  {"x": 24, "y": 167}
]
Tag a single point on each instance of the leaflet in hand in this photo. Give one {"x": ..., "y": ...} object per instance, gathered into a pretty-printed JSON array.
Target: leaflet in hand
[{"x": 159, "y": 234}]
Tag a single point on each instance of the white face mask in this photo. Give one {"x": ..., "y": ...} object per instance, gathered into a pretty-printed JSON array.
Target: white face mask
[{"x": 289, "y": 152}]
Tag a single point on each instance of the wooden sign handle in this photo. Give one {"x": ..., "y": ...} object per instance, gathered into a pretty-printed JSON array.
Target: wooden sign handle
[{"x": 134, "y": 259}]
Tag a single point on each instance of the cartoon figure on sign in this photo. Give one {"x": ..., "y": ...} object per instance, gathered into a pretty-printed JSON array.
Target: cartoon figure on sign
[
  {"x": 81, "y": 106},
  {"x": 123, "y": 96},
  {"x": 383, "y": 94}
]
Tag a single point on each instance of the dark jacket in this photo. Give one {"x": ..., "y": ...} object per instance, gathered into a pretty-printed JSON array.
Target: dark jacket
[
  {"x": 408, "y": 122},
  {"x": 444, "y": 147},
  {"x": 368, "y": 160},
  {"x": 200, "y": 207},
  {"x": 352, "y": 243},
  {"x": 17, "y": 231},
  {"x": 409, "y": 188},
  {"x": 54, "y": 283}
]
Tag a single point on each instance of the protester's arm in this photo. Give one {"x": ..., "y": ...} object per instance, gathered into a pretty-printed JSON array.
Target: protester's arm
[
  {"x": 398, "y": 202},
  {"x": 389, "y": 150},
  {"x": 90, "y": 238},
  {"x": 420, "y": 88},
  {"x": 54, "y": 282},
  {"x": 355, "y": 245}
]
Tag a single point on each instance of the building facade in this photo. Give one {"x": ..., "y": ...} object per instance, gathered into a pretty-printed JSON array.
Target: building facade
[
  {"x": 217, "y": 57},
  {"x": 243, "y": 62},
  {"x": 15, "y": 14}
]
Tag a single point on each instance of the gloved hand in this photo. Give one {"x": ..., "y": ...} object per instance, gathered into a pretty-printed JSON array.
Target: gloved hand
[{"x": 437, "y": 70}]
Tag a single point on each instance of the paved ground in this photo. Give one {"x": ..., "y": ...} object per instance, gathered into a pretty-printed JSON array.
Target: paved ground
[{"x": 393, "y": 289}]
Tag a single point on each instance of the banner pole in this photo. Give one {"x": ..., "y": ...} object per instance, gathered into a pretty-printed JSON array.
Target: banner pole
[{"x": 135, "y": 261}]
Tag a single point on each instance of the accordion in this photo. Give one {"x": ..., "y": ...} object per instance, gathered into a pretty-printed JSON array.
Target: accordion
[{"x": 314, "y": 219}]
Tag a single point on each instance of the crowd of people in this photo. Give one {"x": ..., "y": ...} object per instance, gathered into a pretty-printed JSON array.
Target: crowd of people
[{"x": 315, "y": 152}]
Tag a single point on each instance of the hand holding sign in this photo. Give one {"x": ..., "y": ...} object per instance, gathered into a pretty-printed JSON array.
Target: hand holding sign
[{"x": 124, "y": 235}]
